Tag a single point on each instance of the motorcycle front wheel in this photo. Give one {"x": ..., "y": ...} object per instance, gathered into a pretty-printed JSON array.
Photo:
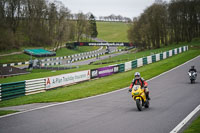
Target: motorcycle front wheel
[{"x": 139, "y": 104}]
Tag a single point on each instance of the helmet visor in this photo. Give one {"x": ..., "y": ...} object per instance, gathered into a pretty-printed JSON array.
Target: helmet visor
[{"x": 137, "y": 76}]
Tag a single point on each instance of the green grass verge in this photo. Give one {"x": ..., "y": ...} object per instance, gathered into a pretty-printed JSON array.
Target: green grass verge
[
  {"x": 5, "y": 112},
  {"x": 14, "y": 58},
  {"x": 194, "y": 127},
  {"x": 102, "y": 85},
  {"x": 112, "y": 31}
]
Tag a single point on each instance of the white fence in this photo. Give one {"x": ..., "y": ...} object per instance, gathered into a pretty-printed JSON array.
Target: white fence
[
  {"x": 149, "y": 59},
  {"x": 139, "y": 62},
  {"x": 157, "y": 57},
  {"x": 35, "y": 86},
  {"x": 164, "y": 55},
  {"x": 128, "y": 66}
]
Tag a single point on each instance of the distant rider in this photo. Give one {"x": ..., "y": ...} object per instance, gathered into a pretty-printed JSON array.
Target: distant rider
[
  {"x": 140, "y": 81},
  {"x": 192, "y": 69}
]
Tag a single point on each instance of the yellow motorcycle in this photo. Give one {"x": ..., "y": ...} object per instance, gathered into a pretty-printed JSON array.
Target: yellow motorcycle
[{"x": 139, "y": 96}]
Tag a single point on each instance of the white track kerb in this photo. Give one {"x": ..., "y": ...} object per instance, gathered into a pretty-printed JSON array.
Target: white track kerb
[
  {"x": 175, "y": 130},
  {"x": 185, "y": 121}
]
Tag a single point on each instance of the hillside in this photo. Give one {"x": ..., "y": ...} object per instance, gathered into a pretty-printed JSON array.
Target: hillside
[{"x": 112, "y": 31}]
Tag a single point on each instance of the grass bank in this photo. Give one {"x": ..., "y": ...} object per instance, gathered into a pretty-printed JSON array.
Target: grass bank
[
  {"x": 102, "y": 85},
  {"x": 112, "y": 31},
  {"x": 5, "y": 112},
  {"x": 194, "y": 127},
  {"x": 61, "y": 52}
]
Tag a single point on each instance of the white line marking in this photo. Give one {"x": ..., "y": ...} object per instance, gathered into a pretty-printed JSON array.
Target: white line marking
[
  {"x": 184, "y": 121},
  {"x": 93, "y": 96}
]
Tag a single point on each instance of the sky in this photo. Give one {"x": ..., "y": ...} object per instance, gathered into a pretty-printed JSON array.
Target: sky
[{"x": 126, "y": 8}]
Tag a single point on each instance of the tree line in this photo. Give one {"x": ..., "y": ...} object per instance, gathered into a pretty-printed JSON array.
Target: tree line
[
  {"x": 114, "y": 17},
  {"x": 166, "y": 23},
  {"x": 41, "y": 23}
]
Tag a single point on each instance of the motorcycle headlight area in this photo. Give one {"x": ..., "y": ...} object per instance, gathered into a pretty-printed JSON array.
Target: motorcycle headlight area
[
  {"x": 136, "y": 93},
  {"x": 136, "y": 87}
]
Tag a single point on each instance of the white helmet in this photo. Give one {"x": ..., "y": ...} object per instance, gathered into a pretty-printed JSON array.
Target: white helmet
[{"x": 137, "y": 75}]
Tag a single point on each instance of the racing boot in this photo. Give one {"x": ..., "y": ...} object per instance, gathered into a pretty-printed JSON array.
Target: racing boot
[{"x": 147, "y": 95}]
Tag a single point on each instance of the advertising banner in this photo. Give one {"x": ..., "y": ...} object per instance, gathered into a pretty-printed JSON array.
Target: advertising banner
[
  {"x": 104, "y": 44},
  {"x": 94, "y": 73},
  {"x": 116, "y": 69},
  {"x": 105, "y": 71},
  {"x": 66, "y": 79}
]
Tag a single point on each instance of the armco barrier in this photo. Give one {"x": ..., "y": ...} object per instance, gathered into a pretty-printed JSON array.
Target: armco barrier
[
  {"x": 121, "y": 67},
  {"x": 161, "y": 56},
  {"x": 177, "y": 50},
  {"x": 167, "y": 54},
  {"x": 128, "y": 66},
  {"x": 144, "y": 60},
  {"x": 149, "y": 59},
  {"x": 0, "y": 92},
  {"x": 164, "y": 55},
  {"x": 12, "y": 90},
  {"x": 170, "y": 53},
  {"x": 157, "y": 57},
  {"x": 134, "y": 64},
  {"x": 35, "y": 86},
  {"x": 139, "y": 62},
  {"x": 153, "y": 58},
  {"x": 173, "y": 52}
]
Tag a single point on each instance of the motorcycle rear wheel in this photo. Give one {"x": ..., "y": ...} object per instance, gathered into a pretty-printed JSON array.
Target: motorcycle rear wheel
[
  {"x": 192, "y": 81},
  {"x": 139, "y": 104}
]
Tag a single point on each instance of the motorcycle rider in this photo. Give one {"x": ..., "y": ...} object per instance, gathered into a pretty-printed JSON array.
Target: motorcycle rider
[
  {"x": 140, "y": 81},
  {"x": 192, "y": 69}
]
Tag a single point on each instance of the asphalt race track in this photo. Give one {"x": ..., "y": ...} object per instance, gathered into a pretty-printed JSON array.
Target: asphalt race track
[{"x": 173, "y": 98}]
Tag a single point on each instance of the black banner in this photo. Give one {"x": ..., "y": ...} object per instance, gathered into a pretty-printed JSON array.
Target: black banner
[{"x": 104, "y": 44}]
